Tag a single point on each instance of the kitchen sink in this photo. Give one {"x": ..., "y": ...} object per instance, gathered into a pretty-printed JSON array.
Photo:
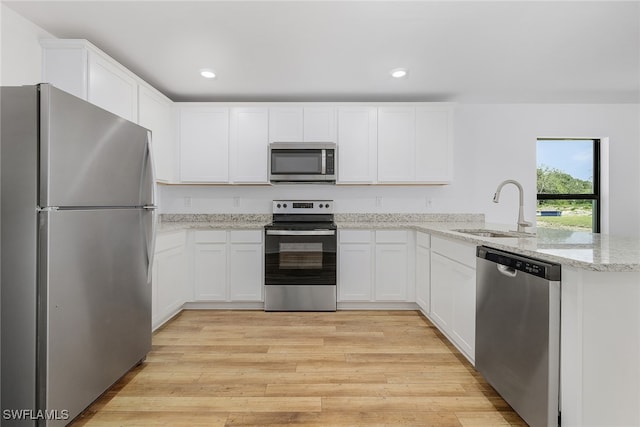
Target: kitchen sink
[{"x": 494, "y": 233}]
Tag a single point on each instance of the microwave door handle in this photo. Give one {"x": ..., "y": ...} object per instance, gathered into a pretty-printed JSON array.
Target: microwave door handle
[{"x": 324, "y": 162}]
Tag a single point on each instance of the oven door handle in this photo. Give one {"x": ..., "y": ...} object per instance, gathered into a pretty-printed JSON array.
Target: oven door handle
[{"x": 301, "y": 232}]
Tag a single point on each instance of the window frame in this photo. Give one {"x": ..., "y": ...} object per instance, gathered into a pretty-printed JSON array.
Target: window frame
[{"x": 595, "y": 196}]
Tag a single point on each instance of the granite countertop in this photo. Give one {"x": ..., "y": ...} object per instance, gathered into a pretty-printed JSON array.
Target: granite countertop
[
  {"x": 580, "y": 249},
  {"x": 596, "y": 252}
]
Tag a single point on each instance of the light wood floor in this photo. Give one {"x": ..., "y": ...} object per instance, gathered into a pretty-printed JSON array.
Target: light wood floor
[{"x": 348, "y": 368}]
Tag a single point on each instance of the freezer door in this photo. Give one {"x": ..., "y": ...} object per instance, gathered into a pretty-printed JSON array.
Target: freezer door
[
  {"x": 94, "y": 303},
  {"x": 90, "y": 157}
]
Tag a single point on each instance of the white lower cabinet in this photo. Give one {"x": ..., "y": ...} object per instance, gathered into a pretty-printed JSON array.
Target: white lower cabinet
[
  {"x": 355, "y": 265},
  {"x": 423, "y": 272},
  {"x": 228, "y": 265},
  {"x": 453, "y": 292},
  {"x": 373, "y": 266},
  {"x": 169, "y": 286}
]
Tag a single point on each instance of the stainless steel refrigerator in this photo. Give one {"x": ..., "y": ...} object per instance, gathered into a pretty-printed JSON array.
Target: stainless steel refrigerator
[{"x": 77, "y": 226}]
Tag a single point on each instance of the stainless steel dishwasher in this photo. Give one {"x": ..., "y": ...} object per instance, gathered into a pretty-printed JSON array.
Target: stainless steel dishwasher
[{"x": 518, "y": 332}]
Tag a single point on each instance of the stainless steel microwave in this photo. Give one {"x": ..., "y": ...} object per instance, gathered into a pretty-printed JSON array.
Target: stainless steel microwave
[{"x": 299, "y": 162}]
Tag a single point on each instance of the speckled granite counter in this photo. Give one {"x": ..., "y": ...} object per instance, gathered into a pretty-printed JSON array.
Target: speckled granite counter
[
  {"x": 175, "y": 222},
  {"x": 596, "y": 252},
  {"x": 579, "y": 249}
]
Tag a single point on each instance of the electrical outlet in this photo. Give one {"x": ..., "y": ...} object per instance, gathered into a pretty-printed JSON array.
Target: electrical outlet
[
  {"x": 428, "y": 201},
  {"x": 187, "y": 202},
  {"x": 378, "y": 201},
  {"x": 236, "y": 202}
]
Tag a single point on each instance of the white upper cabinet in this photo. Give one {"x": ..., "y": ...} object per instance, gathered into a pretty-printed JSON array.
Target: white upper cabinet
[
  {"x": 249, "y": 145},
  {"x": 396, "y": 144},
  {"x": 154, "y": 113},
  {"x": 357, "y": 144},
  {"x": 112, "y": 88},
  {"x": 285, "y": 124},
  {"x": 204, "y": 144},
  {"x": 434, "y": 156},
  {"x": 302, "y": 124},
  {"x": 319, "y": 124},
  {"x": 78, "y": 67}
]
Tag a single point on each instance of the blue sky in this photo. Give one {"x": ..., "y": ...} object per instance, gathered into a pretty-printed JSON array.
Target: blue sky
[{"x": 574, "y": 157}]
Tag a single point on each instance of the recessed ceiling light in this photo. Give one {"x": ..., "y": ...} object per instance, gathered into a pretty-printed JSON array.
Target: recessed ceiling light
[
  {"x": 399, "y": 73},
  {"x": 207, "y": 73}
]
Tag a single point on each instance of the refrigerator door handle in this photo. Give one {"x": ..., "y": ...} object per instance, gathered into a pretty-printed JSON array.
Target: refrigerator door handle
[
  {"x": 149, "y": 178},
  {"x": 151, "y": 243}
]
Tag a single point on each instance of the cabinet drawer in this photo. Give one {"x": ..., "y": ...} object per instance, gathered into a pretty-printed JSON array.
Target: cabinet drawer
[
  {"x": 246, "y": 236},
  {"x": 423, "y": 239},
  {"x": 391, "y": 236},
  {"x": 354, "y": 236},
  {"x": 210, "y": 236},
  {"x": 464, "y": 253},
  {"x": 174, "y": 239}
]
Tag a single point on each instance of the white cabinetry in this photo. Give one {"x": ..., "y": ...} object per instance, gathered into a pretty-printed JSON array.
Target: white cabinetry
[
  {"x": 228, "y": 265},
  {"x": 453, "y": 292},
  {"x": 392, "y": 266},
  {"x": 78, "y": 67},
  {"x": 423, "y": 272},
  {"x": 355, "y": 265},
  {"x": 302, "y": 124},
  {"x": 204, "y": 144},
  {"x": 249, "y": 145},
  {"x": 169, "y": 288},
  {"x": 396, "y": 144},
  {"x": 415, "y": 144},
  {"x": 434, "y": 144},
  {"x": 154, "y": 113},
  {"x": 357, "y": 144},
  {"x": 374, "y": 266}
]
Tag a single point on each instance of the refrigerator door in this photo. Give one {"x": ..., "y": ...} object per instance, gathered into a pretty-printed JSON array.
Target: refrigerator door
[
  {"x": 95, "y": 303},
  {"x": 90, "y": 157}
]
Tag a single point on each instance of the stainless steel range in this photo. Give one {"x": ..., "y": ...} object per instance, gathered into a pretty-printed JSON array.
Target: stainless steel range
[{"x": 300, "y": 257}]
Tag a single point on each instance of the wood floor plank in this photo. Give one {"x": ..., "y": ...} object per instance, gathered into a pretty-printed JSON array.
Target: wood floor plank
[{"x": 348, "y": 368}]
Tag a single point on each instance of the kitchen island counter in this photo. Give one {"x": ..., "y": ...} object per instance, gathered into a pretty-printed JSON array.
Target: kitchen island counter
[{"x": 580, "y": 249}]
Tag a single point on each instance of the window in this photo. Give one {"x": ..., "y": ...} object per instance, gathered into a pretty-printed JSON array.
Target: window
[{"x": 568, "y": 184}]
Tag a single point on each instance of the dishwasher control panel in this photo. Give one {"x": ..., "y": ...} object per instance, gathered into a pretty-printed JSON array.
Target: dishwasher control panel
[{"x": 531, "y": 266}]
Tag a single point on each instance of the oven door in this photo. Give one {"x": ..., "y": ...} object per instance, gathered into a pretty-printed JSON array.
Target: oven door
[{"x": 300, "y": 257}]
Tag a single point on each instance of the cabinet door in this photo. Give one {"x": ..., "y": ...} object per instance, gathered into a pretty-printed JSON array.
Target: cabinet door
[
  {"x": 285, "y": 124},
  {"x": 249, "y": 145},
  {"x": 463, "y": 326},
  {"x": 391, "y": 272},
  {"x": 355, "y": 280},
  {"x": 434, "y": 140},
  {"x": 357, "y": 144},
  {"x": 169, "y": 278},
  {"x": 204, "y": 144},
  {"x": 111, "y": 88},
  {"x": 441, "y": 291},
  {"x": 423, "y": 279},
  {"x": 319, "y": 124},
  {"x": 245, "y": 272},
  {"x": 65, "y": 67},
  {"x": 154, "y": 113},
  {"x": 211, "y": 272},
  {"x": 396, "y": 144}
]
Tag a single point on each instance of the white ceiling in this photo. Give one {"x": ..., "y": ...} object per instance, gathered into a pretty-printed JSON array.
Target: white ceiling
[{"x": 476, "y": 51}]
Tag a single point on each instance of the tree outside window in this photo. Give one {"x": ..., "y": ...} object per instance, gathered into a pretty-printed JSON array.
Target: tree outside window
[{"x": 568, "y": 184}]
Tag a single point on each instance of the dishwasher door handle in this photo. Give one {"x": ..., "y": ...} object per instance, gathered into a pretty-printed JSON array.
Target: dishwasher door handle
[{"x": 507, "y": 271}]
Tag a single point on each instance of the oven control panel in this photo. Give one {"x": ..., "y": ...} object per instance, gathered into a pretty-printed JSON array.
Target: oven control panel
[{"x": 303, "y": 206}]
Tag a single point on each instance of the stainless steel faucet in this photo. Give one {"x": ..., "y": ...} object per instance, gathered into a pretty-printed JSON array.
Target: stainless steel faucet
[{"x": 522, "y": 224}]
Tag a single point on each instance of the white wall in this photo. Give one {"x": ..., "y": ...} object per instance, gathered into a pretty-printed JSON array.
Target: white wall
[
  {"x": 20, "y": 52},
  {"x": 493, "y": 142}
]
